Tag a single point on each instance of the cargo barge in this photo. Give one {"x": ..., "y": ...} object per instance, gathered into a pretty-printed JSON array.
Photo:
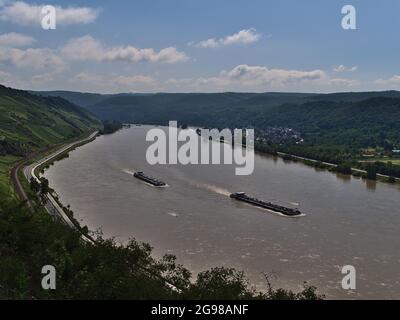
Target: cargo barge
[
  {"x": 155, "y": 182},
  {"x": 241, "y": 196}
]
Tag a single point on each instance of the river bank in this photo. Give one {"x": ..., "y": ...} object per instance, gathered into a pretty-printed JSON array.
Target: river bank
[
  {"x": 323, "y": 165},
  {"x": 53, "y": 205},
  {"x": 355, "y": 172}
]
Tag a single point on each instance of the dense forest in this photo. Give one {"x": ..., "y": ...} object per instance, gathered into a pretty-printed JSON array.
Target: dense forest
[{"x": 111, "y": 126}]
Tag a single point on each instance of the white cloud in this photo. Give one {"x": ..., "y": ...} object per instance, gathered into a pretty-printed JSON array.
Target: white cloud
[
  {"x": 10, "y": 80},
  {"x": 253, "y": 75},
  {"x": 87, "y": 77},
  {"x": 343, "y": 68},
  {"x": 44, "y": 78},
  {"x": 133, "y": 80},
  {"x": 245, "y": 36},
  {"x": 26, "y": 14},
  {"x": 88, "y": 48},
  {"x": 209, "y": 43},
  {"x": 13, "y": 39},
  {"x": 344, "y": 82},
  {"x": 116, "y": 83},
  {"x": 250, "y": 76},
  {"x": 5, "y": 78},
  {"x": 393, "y": 81},
  {"x": 260, "y": 78},
  {"x": 41, "y": 81},
  {"x": 84, "y": 48},
  {"x": 35, "y": 58}
]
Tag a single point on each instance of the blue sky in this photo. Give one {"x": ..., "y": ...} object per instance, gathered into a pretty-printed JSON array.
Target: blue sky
[{"x": 200, "y": 46}]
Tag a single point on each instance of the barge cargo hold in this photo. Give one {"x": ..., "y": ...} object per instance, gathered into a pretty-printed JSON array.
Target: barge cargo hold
[
  {"x": 241, "y": 196},
  {"x": 155, "y": 182}
]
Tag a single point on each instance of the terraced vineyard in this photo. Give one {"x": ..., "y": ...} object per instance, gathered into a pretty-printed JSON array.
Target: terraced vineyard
[{"x": 30, "y": 122}]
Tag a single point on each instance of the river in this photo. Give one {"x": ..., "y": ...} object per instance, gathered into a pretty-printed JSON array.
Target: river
[{"x": 347, "y": 220}]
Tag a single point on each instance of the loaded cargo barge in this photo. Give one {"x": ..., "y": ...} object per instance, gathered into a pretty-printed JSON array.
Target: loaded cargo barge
[
  {"x": 155, "y": 182},
  {"x": 241, "y": 196}
]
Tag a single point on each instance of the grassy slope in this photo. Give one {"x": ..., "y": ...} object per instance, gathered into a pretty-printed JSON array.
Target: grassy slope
[{"x": 29, "y": 122}]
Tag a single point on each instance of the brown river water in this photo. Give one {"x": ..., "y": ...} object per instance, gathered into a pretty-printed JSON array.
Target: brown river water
[{"x": 347, "y": 221}]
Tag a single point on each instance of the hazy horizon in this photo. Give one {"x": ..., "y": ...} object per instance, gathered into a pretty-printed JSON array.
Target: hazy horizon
[{"x": 205, "y": 92}]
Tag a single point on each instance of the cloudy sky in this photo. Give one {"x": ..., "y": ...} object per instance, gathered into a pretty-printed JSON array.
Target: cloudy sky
[{"x": 200, "y": 46}]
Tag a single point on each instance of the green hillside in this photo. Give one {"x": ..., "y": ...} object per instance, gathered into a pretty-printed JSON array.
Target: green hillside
[{"x": 30, "y": 122}]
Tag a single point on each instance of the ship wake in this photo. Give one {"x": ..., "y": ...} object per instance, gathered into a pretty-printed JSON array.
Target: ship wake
[{"x": 212, "y": 188}]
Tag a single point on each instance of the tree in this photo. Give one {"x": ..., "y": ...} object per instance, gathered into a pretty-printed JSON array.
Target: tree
[
  {"x": 344, "y": 168},
  {"x": 220, "y": 283},
  {"x": 13, "y": 279},
  {"x": 371, "y": 171},
  {"x": 35, "y": 185},
  {"x": 391, "y": 179},
  {"x": 308, "y": 292}
]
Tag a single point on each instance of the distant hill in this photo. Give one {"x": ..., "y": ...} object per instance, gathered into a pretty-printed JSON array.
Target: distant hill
[
  {"x": 192, "y": 108},
  {"x": 82, "y": 99},
  {"x": 351, "y": 119},
  {"x": 129, "y": 107},
  {"x": 30, "y": 121}
]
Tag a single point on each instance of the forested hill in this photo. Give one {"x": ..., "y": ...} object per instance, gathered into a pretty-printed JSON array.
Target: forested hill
[
  {"x": 193, "y": 108},
  {"x": 350, "y": 119},
  {"x": 367, "y": 123},
  {"x": 104, "y": 101},
  {"x": 30, "y": 121},
  {"x": 82, "y": 99}
]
